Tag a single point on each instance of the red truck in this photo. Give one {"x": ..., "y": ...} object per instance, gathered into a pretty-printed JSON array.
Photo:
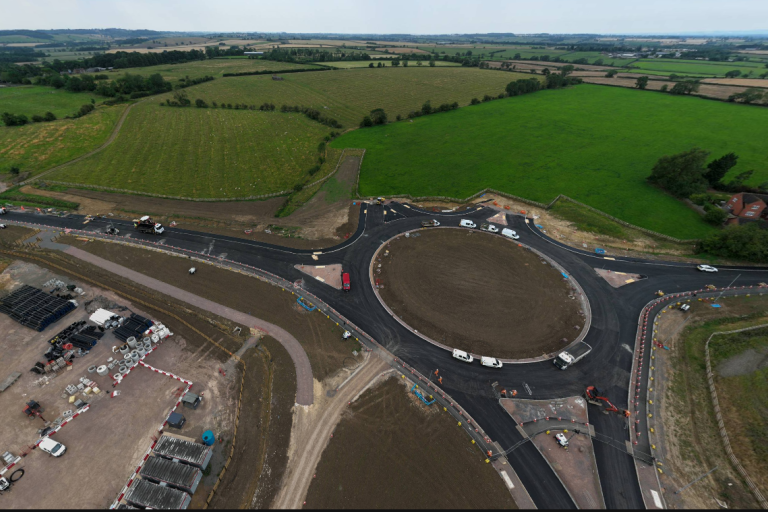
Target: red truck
[{"x": 345, "y": 281}]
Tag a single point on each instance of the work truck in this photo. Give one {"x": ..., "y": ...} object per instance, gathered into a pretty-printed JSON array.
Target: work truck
[
  {"x": 572, "y": 355},
  {"x": 147, "y": 225}
]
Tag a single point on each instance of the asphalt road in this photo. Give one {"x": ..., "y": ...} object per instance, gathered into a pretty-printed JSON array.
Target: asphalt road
[{"x": 612, "y": 334}]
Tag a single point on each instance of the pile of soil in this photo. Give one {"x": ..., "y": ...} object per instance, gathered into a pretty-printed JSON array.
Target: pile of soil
[
  {"x": 481, "y": 293},
  {"x": 389, "y": 452}
]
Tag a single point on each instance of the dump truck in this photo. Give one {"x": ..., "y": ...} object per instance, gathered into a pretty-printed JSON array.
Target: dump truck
[
  {"x": 147, "y": 225},
  {"x": 573, "y": 355}
]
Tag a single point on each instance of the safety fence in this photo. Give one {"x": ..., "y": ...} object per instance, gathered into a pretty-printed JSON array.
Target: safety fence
[{"x": 646, "y": 407}]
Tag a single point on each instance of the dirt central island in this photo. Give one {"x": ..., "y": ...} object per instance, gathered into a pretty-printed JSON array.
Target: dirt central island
[{"x": 478, "y": 292}]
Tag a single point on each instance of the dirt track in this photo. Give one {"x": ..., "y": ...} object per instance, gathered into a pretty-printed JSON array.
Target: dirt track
[
  {"x": 479, "y": 293},
  {"x": 312, "y": 429}
]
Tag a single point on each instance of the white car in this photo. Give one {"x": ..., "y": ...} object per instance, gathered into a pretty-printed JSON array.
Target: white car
[
  {"x": 706, "y": 268},
  {"x": 510, "y": 233},
  {"x": 346, "y": 335},
  {"x": 685, "y": 307},
  {"x": 561, "y": 440},
  {"x": 462, "y": 356},
  {"x": 48, "y": 445},
  {"x": 3, "y": 226},
  {"x": 466, "y": 223},
  {"x": 490, "y": 362}
]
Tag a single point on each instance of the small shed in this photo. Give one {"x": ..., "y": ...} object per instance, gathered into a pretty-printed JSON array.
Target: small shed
[
  {"x": 176, "y": 475},
  {"x": 176, "y": 420},
  {"x": 175, "y": 447},
  {"x": 191, "y": 400},
  {"x": 145, "y": 494}
]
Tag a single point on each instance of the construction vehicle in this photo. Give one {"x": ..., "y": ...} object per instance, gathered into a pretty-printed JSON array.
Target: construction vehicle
[
  {"x": 33, "y": 409},
  {"x": 112, "y": 230},
  {"x": 429, "y": 223},
  {"x": 147, "y": 225},
  {"x": 593, "y": 397},
  {"x": 3, "y": 210},
  {"x": 345, "y": 282},
  {"x": 572, "y": 355},
  {"x": 380, "y": 200}
]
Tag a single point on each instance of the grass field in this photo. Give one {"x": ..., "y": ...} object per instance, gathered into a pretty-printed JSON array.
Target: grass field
[
  {"x": 34, "y": 99},
  {"x": 696, "y": 67},
  {"x": 40, "y": 146},
  {"x": 212, "y": 67},
  {"x": 193, "y": 152},
  {"x": 348, "y": 95},
  {"x": 540, "y": 145},
  {"x": 593, "y": 56}
]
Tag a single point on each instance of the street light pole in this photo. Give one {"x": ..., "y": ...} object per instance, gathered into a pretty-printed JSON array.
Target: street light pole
[{"x": 722, "y": 292}]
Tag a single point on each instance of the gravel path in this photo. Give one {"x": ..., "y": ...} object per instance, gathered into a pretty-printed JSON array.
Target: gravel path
[{"x": 304, "y": 384}]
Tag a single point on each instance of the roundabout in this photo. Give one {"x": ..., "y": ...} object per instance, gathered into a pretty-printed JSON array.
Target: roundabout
[{"x": 478, "y": 292}]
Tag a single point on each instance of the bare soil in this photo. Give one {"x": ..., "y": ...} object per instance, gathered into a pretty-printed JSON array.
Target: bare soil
[
  {"x": 480, "y": 293},
  {"x": 710, "y": 90},
  {"x": 392, "y": 451},
  {"x": 320, "y": 337},
  {"x": 746, "y": 82}
]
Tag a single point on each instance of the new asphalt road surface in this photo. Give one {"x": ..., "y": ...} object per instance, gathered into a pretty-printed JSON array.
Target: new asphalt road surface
[{"x": 615, "y": 314}]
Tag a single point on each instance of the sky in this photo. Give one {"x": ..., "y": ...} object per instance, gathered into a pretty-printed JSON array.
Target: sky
[{"x": 392, "y": 16}]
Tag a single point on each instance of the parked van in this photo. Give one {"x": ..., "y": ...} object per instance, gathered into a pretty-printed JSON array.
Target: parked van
[
  {"x": 510, "y": 233},
  {"x": 345, "y": 284},
  {"x": 490, "y": 362},
  {"x": 466, "y": 223},
  {"x": 462, "y": 356},
  {"x": 48, "y": 445}
]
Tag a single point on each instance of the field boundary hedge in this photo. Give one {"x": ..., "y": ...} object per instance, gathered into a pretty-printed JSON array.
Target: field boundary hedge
[
  {"x": 548, "y": 206},
  {"x": 284, "y": 71}
]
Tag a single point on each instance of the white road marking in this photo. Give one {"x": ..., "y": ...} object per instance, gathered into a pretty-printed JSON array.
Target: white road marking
[
  {"x": 656, "y": 499},
  {"x": 320, "y": 279},
  {"x": 507, "y": 481}
]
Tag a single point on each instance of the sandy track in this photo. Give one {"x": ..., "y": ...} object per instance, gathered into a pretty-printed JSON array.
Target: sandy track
[{"x": 312, "y": 429}]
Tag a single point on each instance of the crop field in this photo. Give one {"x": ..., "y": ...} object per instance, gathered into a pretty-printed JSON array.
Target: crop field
[
  {"x": 593, "y": 56},
  {"x": 40, "y": 146},
  {"x": 348, "y": 95},
  {"x": 211, "y": 67},
  {"x": 696, "y": 67},
  {"x": 35, "y": 99},
  {"x": 346, "y": 64},
  {"x": 192, "y": 152},
  {"x": 536, "y": 146}
]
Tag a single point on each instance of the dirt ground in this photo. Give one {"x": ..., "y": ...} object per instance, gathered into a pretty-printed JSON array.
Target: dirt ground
[
  {"x": 688, "y": 440},
  {"x": 478, "y": 292},
  {"x": 320, "y": 338},
  {"x": 13, "y": 234},
  {"x": 392, "y": 451},
  {"x": 721, "y": 92},
  {"x": 328, "y": 274},
  {"x": 618, "y": 279},
  {"x": 324, "y": 221},
  {"x": 110, "y": 439}
]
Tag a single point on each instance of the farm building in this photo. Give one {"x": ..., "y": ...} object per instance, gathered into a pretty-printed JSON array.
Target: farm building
[
  {"x": 145, "y": 494},
  {"x": 183, "y": 450},
  {"x": 173, "y": 474}
]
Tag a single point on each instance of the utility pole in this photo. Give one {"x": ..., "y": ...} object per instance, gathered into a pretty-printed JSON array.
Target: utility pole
[{"x": 702, "y": 476}]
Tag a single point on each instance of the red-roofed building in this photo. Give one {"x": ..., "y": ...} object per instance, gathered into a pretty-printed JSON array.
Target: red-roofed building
[{"x": 745, "y": 206}]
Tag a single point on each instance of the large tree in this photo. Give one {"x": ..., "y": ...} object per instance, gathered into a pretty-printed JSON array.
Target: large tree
[
  {"x": 681, "y": 174},
  {"x": 718, "y": 168},
  {"x": 642, "y": 82}
]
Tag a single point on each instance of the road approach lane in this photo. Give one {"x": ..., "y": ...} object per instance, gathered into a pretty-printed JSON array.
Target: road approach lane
[{"x": 612, "y": 334}]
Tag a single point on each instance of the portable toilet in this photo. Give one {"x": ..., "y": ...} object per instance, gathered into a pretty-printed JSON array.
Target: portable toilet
[{"x": 209, "y": 438}]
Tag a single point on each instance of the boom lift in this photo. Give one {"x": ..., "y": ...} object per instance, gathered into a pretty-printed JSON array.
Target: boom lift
[{"x": 593, "y": 397}]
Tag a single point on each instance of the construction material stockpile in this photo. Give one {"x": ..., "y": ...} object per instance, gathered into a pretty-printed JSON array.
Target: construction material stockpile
[
  {"x": 135, "y": 325},
  {"x": 78, "y": 335},
  {"x": 34, "y": 308}
]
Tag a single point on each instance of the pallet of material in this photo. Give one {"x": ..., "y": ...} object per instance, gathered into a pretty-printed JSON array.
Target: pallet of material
[
  {"x": 188, "y": 452},
  {"x": 176, "y": 475},
  {"x": 34, "y": 308},
  {"x": 145, "y": 494},
  {"x": 8, "y": 382}
]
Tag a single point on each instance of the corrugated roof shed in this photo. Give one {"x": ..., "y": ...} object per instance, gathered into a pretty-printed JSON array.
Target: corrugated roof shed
[
  {"x": 176, "y": 448},
  {"x": 169, "y": 471},
  {"x": 149, "y": 495}
]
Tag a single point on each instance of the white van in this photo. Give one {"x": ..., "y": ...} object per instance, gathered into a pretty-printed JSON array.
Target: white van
[
  {"x": 462, "y": 356},
  {"x": 490, "y": 362},
  {"x": 510, "y": 233},
  {"x": 48, "y": 445},
  {"x": 466, "y": 223}
]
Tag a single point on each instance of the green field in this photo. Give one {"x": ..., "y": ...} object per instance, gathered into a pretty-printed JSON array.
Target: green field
[
  {"x": 593, "y": 56},
  {"x": 697, "y": 67},
  {"x": 193, "y": 152},
  {"x": 540, "y": 145},
  {"x": 348, "y": 95},
  {"x": 40, "y": 146},
  {"x": 211, "y": 67},
  {"x": 34, "y": 99},
  {"x": 346, "y": 64}
]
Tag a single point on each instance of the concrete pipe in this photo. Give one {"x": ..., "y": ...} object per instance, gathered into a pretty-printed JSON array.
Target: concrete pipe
[
  {"x": 91, "y": 368},
  {"x": 122, "y": 369},
  {"x": 146, "y": 340},
  {"x": 135, "y": 356},
  {"x": 131, "y": 342},
  {"x": 102, "y": 370},
  {"x": 117, "y": 376},
  {"x": 155, "y": 338},
  {"x": 141, "y": 351},
  {"x": 147, "y": 347},
  {"x": 125, "y": 349},
  {"x": 127, "y": 357}
]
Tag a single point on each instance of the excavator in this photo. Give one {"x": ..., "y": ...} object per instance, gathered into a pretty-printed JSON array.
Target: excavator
[{"x": 593, "y": 397}]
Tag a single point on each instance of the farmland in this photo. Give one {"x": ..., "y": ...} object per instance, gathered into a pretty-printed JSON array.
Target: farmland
[
  {"x": 211, "y": 67},
  {"x": 34, "y": 99},
  {"x": 40, "y": 146},
  {"x": 348, "y": 95},
  {"x": 193, "y": 152},
  {"x": 534, "y": 145},
  {"x": 346, "y": 64},
  {"x": 696, "y": 67}
]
